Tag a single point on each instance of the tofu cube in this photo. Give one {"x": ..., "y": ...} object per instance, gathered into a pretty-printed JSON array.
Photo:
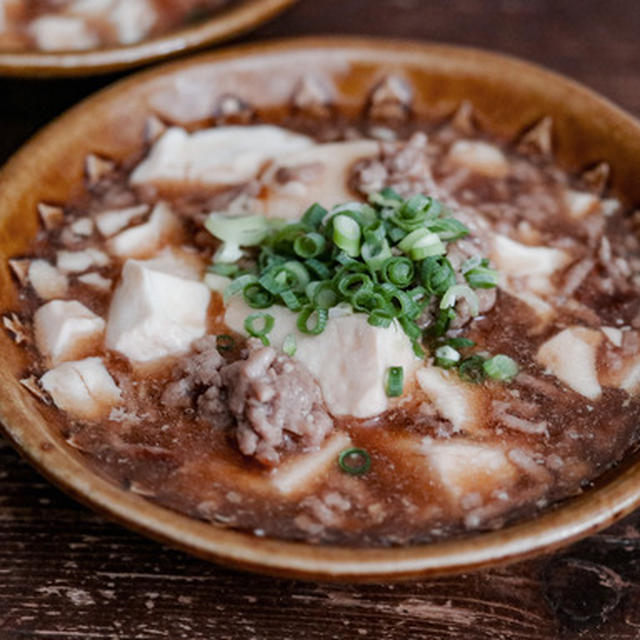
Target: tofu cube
[
  {"x": 299, "y": 474},
  {"x": 154, "y": 314},
  {"x": 215, "y": 157},
  {"x": 317, "y": 174},
  {"x": 349, "y": 359},
  {"x": 114, "y": 220},
  {"x": 67, "y": 330},
  {"x": 479, "y": 157},
  {"x": 84, "y": 388},
  {"x": 571, "y": 357},
  {"x": 462, "y": 467},
  {"x": 47, "y": 281},
  {"x": 145, "y": 239},
  {"x": 63, "y": 33},
  {"x": 455, "y": 400},
  {"x": 579, "y": 204}
]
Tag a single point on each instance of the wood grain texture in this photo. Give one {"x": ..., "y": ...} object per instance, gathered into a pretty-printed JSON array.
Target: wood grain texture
[{"x": 66, "y": 573}]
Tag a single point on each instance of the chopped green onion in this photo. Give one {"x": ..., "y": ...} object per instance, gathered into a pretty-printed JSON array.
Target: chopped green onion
[
  {"x": 421, "y": 243},
  {"x": 256, "y": 296},
  {"x": 437, "y": 275},
  {"x": 461, "y": 343},
  {"x": 447, "y": 356},
  {"x": 225, "y": 342},
  {"x": 238, "y": 285},
  {"x": 346, "y": 234},
  {"x": 378, "y": 318},
  {"x": 225, "y": 270},
  {"x": 471, "y": 369},
  {"x": 310, "y": 245},
  {"x": 386, "y": 198},
  {"x": 395, "y": 382},
  {"x": 482, "y": 277},
  {"x": 443, "y": 320},
  {"x": 448, "y": 229},
  {"x": 349, "y": 260},
  {"x": 350, "y": 284},
  {"x": 319, "y": 268},
  {"x": 323, "y": 295},
  {"x": 461, "y": 291},
  {"x": 321, "y": 317},
  {"x": 501, "y": 367},
  {"x": 314, "y": 216},
  {"x": 398, "y": 271},
  {"x": 291, "y": 300},
  {"x": 354, "y": 461},
  {"x": 268, "y": 323},
  {"x": 243, "y": 231},
  {"x": 290, "y": 345},
  {"x": 228, "y": 253}
]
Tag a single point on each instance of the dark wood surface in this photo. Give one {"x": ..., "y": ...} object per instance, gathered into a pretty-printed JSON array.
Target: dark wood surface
[{"x": 67, "y": 573}]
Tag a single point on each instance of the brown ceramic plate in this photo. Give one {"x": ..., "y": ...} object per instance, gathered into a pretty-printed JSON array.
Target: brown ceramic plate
[
  {"x": 508, "y": 96},
  {"x": 242, "y": 16}
]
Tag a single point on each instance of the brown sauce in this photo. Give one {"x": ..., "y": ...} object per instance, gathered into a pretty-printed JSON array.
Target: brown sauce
[{"x": 180, "y": 462}]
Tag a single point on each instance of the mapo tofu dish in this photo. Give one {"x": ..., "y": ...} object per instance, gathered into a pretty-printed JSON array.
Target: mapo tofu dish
[
  {"x": 367, "y": 332},
  {"x": 76, "y": 25}
]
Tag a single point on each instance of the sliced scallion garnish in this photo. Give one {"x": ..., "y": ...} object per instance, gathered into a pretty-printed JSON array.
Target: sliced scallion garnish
[
  {"x": 395, "y": 382},
  {"x": 447, "y": 357},
  {"x": 346, "y": 234},
  {"x": 354, "y": 461},
  {"x": 268, "y": 322},
  {"x": 501, "y": 368},
  {"x": 386, "y": 259},
  {"x": 290, "y": 345}
]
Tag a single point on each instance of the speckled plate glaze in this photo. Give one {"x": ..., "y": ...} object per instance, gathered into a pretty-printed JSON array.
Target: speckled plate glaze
[
  {"x": 508, "y": 97},
  {"x": 225, "y": 24}
]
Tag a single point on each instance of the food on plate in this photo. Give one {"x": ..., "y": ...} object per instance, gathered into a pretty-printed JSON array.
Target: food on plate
[
  {"x": 76, "y": 25},
  {"x": 373, "y": 332}
]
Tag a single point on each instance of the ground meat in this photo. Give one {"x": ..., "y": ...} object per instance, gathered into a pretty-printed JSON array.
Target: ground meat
[
  {"x": 403, "y": 166},
  {"x": 273, "y": 398},
  {"x": 271, "y": 402}
]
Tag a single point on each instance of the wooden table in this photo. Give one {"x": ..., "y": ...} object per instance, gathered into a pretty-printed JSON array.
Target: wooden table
[{"x": 66, "y": 573}]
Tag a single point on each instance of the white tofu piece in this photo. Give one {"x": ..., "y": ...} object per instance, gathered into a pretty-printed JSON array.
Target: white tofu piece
[
  {"x": 145, "y": 239},
  {"x": 154, "y": 314},
  {"x": 79, "y": 261},
  {"x": 542, "y": 309},
  {"x": 479, "y": 157},
  {"x": 67, "y": 330},
  {"x": 114, "y": 220},
  {"x": 613, "y": 334},
  {"x": 457, "y": 401},
  {"x": 629, "y": 381},
  {"x": 82, "y": 227},
  {"x": 462, "y": 467},
  {"x": 96, "y": 281},
  {"x": 536, "y": 264},
  {"x": 92, "y": 8},
  {"x": 47, "y": 281},
  {"x": 74, "y": 261},
  {"x": 299, "y": 474},
  {"x": 84, "y": 388},
  {"x": 133, "y": 19},
  {"x": 579, "y": 204},
  {"x": 178, "y": 262},
  {"x": 625, "y": 373},
  {"x": 571, "y": 357},
  {"x": 349, "y": 359},
  {"x": 325, "y": 171},
  {"x": 63, "y": 33},
  {"x": 216, "y": 157}
]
